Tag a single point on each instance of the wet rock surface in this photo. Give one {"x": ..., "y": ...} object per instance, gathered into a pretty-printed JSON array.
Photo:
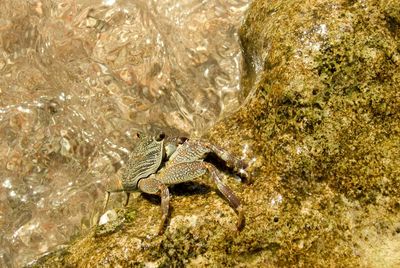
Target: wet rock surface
[{"x": 320, "y": 126}]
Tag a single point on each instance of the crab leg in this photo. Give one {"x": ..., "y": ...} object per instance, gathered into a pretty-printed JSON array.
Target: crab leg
[
  {"x": 188, "y": 171},
  {"x": 128, "y": 194},
  {"x": 153, "y": 186},
  {"x": 115, "y": 186},
  {"x": 107, "y": 197},
  {"x": 233, "y": 200}
]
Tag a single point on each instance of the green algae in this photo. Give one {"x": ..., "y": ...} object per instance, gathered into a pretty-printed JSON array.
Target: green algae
[
  {"x": 130, "y": 216},
  {"x": 321, "y": 117}
]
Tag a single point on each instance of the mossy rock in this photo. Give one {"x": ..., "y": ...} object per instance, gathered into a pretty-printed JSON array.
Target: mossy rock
[{"x": 320, "y": 125}]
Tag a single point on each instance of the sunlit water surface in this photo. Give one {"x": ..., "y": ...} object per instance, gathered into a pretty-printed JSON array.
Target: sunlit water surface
[{"x": 78, "y": 80}]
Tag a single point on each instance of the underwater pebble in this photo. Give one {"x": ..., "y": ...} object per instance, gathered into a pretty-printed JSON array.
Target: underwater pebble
[{"x": 110, "y": 215}]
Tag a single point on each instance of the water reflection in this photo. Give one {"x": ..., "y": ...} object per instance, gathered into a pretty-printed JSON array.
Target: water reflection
[{"x": 78, "y": 79}]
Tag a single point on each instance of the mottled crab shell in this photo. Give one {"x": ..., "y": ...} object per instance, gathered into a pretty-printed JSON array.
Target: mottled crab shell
[{"x": 144, "y": 160}]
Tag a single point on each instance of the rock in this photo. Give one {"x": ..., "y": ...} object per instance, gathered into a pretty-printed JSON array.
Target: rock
[
  {"x": 109, "y": 215},
  {"x": 321, "y": 126}
]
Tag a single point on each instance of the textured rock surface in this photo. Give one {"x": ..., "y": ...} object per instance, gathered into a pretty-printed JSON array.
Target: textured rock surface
[{"x": 322, "y": 120}]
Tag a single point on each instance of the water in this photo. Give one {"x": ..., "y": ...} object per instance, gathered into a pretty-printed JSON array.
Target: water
[{"x": 78, "y": 79}]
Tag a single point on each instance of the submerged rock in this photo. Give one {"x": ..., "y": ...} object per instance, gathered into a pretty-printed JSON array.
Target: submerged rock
[{"x": 320, "y": 125}]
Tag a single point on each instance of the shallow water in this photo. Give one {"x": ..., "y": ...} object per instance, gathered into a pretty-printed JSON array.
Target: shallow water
[{"x": 78, "y": 80}]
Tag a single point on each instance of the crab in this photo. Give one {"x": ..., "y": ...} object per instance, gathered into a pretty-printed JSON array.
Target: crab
[{"x": 158, "y": 161}]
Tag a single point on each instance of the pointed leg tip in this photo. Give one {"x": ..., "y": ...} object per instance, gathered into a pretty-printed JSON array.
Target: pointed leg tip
[
  {"x": 241, "y": 218},
  {"x": 127, "y": 199},
  {"x": 161, "y": 230},
  {"x": 240, "y": 225}
]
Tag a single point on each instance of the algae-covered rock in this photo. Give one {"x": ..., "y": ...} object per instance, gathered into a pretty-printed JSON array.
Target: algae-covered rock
[{"x": 320, "y": 126}]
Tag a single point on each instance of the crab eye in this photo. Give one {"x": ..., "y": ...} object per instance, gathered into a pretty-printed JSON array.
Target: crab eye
[
  {"x": 181, "y": 140},
  {"x": 138, "y": 134},
  {"x": 160, "y": 136}
]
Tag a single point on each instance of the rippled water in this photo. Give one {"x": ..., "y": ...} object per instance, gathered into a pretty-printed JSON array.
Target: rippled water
[{"x": 78, "y": 79}]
